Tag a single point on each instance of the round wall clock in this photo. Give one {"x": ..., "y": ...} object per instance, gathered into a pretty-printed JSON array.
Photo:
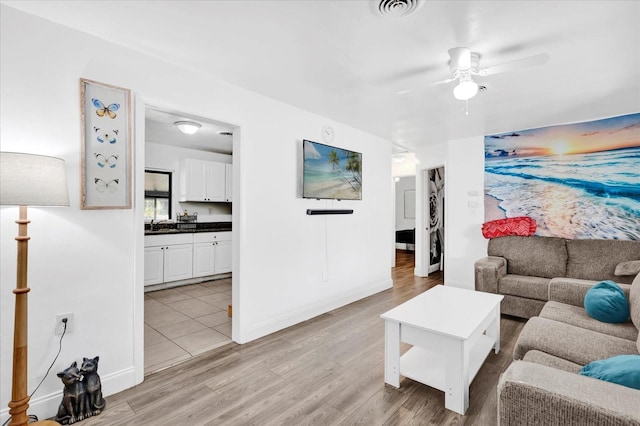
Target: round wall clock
[{"x": 327, "y": 133}]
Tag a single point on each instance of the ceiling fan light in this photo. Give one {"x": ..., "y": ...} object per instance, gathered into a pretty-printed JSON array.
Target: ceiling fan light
[
  {"x": 467, "y": 89},
  {"x": 187, "y": 127}
]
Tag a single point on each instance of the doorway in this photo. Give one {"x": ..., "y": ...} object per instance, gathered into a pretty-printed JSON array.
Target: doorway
[
  {"x": 187, "y": 317},
  {"x": 405, "y": 220}
]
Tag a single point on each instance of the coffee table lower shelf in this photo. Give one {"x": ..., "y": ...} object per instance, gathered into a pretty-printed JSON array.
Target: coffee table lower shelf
[{"x": 428, "y": 367}]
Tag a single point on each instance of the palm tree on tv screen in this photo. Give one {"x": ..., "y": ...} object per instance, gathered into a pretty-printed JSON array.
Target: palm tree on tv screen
[
  {"x": 354, "y": 165},
  {"x": 334, "y": 160}
]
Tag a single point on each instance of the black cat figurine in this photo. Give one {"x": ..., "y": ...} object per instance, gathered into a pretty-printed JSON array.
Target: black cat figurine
[
  {"x": 73, "y": 407},
  {"x": 93, "y": 386}
]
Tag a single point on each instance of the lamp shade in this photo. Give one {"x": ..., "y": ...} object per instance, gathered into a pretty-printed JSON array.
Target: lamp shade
[{"x": 32, "y": 180}]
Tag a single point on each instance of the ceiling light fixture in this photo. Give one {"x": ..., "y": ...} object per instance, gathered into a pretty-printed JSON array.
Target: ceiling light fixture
[
  {"x": 467, "y": 88},
  {"x": 398, "y": 158},
  {"x": 187, "y": 127}
]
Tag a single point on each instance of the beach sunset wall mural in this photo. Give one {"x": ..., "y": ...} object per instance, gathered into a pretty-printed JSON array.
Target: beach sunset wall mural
[{"x": 577, "y": 181}]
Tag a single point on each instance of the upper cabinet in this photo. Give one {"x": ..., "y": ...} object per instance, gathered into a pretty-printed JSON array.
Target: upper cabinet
[
  {"x": 229, "y": 181},
  {"x": 205, "y": 181}
]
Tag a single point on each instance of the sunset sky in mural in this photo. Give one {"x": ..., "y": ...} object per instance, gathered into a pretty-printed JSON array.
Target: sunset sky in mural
[
  {"x": 577, "y": 181},
  {"x": 593, "y": 136}
]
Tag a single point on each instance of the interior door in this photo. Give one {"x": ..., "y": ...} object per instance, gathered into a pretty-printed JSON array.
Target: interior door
[{"x": 435, "y": 222}]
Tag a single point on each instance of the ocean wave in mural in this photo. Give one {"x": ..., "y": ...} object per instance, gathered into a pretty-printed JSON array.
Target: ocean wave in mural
[{"x": 577, "y": 181}]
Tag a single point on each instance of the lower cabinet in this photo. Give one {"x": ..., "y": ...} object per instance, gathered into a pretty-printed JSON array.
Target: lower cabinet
[
  {"x": 211, "y": 253},
  {"x": 168, "y": 263},
  {"x": 223, "y": 257},
  {"x": 182, "y": 256},
  {"x": 153, "y": 265}
]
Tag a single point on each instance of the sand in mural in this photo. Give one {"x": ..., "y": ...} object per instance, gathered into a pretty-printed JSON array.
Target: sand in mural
[{"x": 577, "y": 180}]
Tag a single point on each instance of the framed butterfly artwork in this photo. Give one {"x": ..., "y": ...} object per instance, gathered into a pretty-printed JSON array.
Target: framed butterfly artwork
[{"x": 106, "y": 146}]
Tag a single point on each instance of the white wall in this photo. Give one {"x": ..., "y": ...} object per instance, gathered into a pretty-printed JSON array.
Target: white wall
[
  {"x": 402, "y": 185},
  {"x": 167, "y": 158},
  {"x": 287, "y": 266},
  {"x": 464, "y": 180}
]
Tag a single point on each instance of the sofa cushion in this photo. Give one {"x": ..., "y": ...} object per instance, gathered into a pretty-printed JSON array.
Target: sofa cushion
[
  {"x": 634, "y": 305},
  {"x": 577, "y": 316},
  {"x": 535, "y": 256},
  {"x": 521, "y": 306},
  {"x": 597, "y": 259},
  {"x": 573, "y": 290},
  {"x": 543, "y": 358},
  {"x": 622, "y": 369},
  {"x": 606, "y": 302},
  {"x": 631, "y": 267},
  {"x": 575, "y": 344},
  {"x": 524, "y": 286}
]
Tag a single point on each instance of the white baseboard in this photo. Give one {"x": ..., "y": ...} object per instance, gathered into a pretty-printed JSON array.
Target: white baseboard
[
  {"x": 47, "y": 406},
  {"x": 310, "y": 311}
]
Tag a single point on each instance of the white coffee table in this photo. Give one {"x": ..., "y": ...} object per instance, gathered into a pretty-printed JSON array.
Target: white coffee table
[{"x": 452, "y": 331}]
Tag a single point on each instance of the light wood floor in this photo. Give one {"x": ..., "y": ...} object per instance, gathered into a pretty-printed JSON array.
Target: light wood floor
[{"x": 325, "y": 371}]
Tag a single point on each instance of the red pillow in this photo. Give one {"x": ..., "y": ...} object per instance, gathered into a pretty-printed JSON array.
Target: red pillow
[{"x": 522, "y": 225}]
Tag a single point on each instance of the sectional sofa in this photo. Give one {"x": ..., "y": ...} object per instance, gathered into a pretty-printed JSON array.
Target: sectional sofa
[
  {"x": 542, "y": 386},
  {"x": 522, "y": 268},
  {"x": 546, "y": 279}
]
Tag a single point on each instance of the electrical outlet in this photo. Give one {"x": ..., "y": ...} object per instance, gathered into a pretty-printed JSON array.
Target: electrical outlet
[{"x": 60, "y": 324}]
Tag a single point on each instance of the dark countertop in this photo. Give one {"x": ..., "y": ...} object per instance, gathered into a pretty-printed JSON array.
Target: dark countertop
[{"x": 186, "y": 228}]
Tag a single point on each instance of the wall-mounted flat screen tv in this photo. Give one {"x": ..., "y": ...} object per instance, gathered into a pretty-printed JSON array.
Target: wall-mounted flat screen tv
[{"x": 331, "y": 172}]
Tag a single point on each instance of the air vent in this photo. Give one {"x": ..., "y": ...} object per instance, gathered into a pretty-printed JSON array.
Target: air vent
[
  {"x": 395, "y": 8},
  {"x": 223, "y": 133}
]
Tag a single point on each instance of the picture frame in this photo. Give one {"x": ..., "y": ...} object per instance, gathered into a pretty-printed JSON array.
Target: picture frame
[{"x": 106, "y": 146}]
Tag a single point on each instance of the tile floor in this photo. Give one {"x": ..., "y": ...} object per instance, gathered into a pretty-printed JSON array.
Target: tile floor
[{"x": 182, "y": 322}]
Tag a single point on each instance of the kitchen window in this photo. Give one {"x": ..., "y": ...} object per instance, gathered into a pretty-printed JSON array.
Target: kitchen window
[{"x": 157, "y": 195}]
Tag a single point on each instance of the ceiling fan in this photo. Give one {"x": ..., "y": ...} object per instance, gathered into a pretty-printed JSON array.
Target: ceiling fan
[{"x": 464, "y": 65}]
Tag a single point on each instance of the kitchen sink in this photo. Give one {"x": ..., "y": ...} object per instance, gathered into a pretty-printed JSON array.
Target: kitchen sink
[{"x": 162, "y": 231}]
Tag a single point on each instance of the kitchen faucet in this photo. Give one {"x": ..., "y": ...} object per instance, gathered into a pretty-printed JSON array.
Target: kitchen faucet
[{"x": 152, "y": 223}]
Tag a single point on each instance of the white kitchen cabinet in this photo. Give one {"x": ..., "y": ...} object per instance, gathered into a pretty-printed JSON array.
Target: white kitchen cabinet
[
  {"x": 153, "y": 265},
  {"x": 204, "y": 259},
  {"x": 178, "y": 262},
  {"x": 228, "y": 168},
  {"x": 202, "y": 180},
  {"x": 211, "y": 253},
  {"x": 223, "y": 257},
  {"x": 168, "y": 258}
]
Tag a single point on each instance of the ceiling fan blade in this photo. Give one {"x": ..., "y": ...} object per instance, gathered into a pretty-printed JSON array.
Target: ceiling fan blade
[
  {"x": 531, "y": 61},
  {"x": 460, "y": 58},
  {"x": 436, "y": 83}
]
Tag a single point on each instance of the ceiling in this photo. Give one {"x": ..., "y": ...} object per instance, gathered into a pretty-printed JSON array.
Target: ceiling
[
  {"x": 160, "y": 128},
  {"x": 339, "y": 59}
]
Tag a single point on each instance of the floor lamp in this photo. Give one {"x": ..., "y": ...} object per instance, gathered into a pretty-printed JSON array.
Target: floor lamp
[{"x": 27, "y": 180}]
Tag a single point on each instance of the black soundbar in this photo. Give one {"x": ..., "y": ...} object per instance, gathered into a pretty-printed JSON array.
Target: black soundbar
[{"x": 315, "y": 212}]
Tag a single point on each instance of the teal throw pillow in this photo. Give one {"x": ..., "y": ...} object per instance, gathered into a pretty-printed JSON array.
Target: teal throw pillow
[
  {"x": 606, "y": 302},
  {"x": 622, "y": 369}
]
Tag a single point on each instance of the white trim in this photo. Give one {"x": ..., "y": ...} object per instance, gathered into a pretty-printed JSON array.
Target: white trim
[{"x": 310, "y": 311}]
